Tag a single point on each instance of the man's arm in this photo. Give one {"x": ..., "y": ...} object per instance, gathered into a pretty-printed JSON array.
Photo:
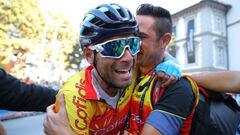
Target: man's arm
[
  {"x": 221, "y": 81},
  {"x": 171, "y": 110},
  {"x": 18, "y": 96},
  {"x": 149, "y": 130}
]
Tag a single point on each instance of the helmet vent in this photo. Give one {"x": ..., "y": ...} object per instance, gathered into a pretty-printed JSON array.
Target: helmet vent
[
  {"x": 121, "y": 13},
  {"x": 130, "y": 15},
  {"x": 97, "y": 22},
  {"x": 87, "y": 32},
  {"x": 111, "y": 16}
]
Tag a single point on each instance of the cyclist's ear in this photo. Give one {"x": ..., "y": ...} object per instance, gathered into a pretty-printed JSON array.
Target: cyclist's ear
[{"x": 88, "y": 54}]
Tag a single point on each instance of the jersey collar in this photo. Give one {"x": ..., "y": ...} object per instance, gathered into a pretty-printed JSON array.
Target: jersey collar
[{"x": 91, "y": 92}]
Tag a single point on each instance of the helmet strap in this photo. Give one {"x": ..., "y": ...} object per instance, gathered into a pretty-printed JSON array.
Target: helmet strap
[{"x": 110, "y": 85}]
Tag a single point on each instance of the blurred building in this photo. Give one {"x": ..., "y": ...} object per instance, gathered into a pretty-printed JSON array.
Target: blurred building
[
  {"x": 206, "y": 36},
  {"x": 233, "y": 31}
]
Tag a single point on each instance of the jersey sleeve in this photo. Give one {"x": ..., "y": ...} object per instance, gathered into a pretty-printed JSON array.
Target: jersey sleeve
[
  {"x": 79, "y": 110},
  {"x": 18, "y": 96},
  {"x": 169, "y": 124},
  {"x": 172, "y": 108}
]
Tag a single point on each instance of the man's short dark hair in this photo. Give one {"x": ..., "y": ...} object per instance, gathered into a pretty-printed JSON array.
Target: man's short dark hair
[{"x": 163, "y": 21}]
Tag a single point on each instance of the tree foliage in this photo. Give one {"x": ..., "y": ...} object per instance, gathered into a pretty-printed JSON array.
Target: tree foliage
[
  {"x": 24, "y": 29},
  {"x": 75, "y": 57}
]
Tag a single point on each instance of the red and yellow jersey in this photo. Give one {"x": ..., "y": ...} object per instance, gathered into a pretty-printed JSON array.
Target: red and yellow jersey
[
  {"x": 87, "y": 113},
  {"x": 141, "y": 108},
  {"x": 148, "y": 92}
]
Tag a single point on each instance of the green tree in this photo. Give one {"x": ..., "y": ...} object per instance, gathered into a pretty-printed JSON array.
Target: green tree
[
  {"x": 24, "y": 27},
  {"x": 20, "y": 26}
]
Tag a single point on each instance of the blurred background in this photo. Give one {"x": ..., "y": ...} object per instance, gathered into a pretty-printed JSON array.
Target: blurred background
[{"x": 39, "y": 42}]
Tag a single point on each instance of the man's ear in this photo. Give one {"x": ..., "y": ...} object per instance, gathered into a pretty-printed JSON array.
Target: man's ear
[
  {"x": 88, "y": 54},
  {"x": 166, "y": 39}
]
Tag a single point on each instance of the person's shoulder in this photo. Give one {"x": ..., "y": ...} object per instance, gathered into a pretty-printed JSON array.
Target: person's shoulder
[
  {"x": 182, "y": 88},
  {"x": 183, "y": 83},
  {"x": 179, "y": 96},
  {"x": 72, "y": 81},
  {"x": 2, "y": 72}
]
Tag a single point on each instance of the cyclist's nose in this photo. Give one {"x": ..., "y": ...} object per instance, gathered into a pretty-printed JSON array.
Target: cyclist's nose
[{"x": 127, "y": 56}]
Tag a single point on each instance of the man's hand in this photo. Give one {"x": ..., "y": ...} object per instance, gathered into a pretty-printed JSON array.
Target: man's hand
[
  {"x": 165, "y": 79},
  {"x": 168, "y": 71},
  {"x": 57, "y": 123}
]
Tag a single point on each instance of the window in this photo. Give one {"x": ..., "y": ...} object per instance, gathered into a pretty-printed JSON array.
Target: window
[
  {"x": 220, "y": 55},
  {"x": 218, "y": 23},
  {"x": 190, "y": 63},
  {"x": 190, "y": 42}
]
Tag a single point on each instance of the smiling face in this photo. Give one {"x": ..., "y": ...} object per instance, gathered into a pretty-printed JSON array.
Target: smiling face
[
  {"x": 117, "y": 72},
  {"x": 112, "y": 72},
  {"x": 152, "y": 48}
]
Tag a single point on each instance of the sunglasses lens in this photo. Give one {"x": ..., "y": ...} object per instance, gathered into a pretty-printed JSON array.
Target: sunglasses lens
[
  {"x": 116, "y": 48},
  {"x": 134, "y": 44},
  {"x": 113, "y": 48}
]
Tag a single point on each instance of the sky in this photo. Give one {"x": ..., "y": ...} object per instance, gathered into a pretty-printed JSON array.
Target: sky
[{"x": 75, "y": 9}]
